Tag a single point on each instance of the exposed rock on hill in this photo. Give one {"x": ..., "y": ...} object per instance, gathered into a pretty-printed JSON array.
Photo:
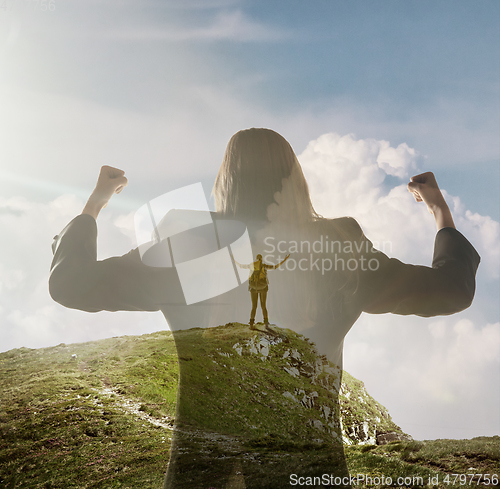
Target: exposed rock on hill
[{"x": 275, "y": 382}]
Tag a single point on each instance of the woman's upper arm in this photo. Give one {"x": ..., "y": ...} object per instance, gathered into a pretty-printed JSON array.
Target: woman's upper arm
[
  {"x": 79, "y": 281},
  {"x": 445, "y": 288}
]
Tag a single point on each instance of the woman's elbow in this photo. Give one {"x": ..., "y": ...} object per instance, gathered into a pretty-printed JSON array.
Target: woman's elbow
[
  {"x": 464, "y": 299},
  {"x": 60, "y": 290},
  {"x": 65, "y": 290},
  {"x": 456, "y": 302}
]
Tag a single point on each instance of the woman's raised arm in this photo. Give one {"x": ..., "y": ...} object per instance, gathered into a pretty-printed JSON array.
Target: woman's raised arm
[
  {"x": 79, "y": 281},
  {"x": 444, "y": 288}
]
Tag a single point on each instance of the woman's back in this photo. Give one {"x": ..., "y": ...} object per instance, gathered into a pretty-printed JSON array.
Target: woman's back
[
  {"x": 310, "y": 312},
  {"x": 332, "y": 275}
]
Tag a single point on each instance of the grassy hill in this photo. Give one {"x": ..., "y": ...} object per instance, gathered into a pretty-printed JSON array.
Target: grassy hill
[{"x": 100, "y": 414}]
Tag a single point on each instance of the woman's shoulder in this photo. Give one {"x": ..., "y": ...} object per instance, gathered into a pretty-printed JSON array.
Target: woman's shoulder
[{"x": 345, "y": 227}]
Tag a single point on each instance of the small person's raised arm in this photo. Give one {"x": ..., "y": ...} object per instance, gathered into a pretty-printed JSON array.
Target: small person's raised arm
[
  {"x": 249, "y": 266},
  {"x": 281, "y": 263},
  {"x": 424, "y": 188},
  {"x": 111, "y": 181}
]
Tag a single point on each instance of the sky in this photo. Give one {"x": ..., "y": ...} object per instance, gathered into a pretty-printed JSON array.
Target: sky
[{"x": 367, "y": 93}]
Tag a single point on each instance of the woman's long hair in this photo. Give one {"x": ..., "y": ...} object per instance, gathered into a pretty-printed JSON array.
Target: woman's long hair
[
  {"x": 257, "y": 165},
  {"x": 261, "y": 179}
]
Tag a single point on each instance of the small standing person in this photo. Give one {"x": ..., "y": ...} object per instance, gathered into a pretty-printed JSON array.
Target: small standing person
[{"x": 258, "y": 285}]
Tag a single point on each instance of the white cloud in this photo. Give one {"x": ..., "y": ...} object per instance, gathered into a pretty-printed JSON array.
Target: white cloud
[
  {"x": 30, "y": 227},
  {"x": 439, "y": 377},
  {"x": 484, "y": 233},
  {"x": 345, "y": 174},
  {"x": 125, "y": 223},
  {"x": 396, "y": 161},
  {"x": 461, "y": 356},
  {"x": 10, "y": 279}
]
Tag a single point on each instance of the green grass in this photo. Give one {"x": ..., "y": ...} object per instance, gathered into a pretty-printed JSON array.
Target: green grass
[
  {"x": 431, "y": 460},
  {"x": 58, "y": 429}
]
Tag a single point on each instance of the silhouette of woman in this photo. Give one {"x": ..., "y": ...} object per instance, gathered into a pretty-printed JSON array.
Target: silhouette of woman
[
  {"x": 261, "y": 185},
  {"x": 258, "y": 286}
]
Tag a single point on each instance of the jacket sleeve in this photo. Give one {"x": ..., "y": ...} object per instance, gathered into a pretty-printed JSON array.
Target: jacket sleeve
[
  {"x": 79, "y": 281},
  {"x": 446, "y": 287}
]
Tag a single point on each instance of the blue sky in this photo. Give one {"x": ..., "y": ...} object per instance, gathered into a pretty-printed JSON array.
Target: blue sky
[
  {"x": 158, "y": 87},
  {"x": 421, "y": 72}
]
